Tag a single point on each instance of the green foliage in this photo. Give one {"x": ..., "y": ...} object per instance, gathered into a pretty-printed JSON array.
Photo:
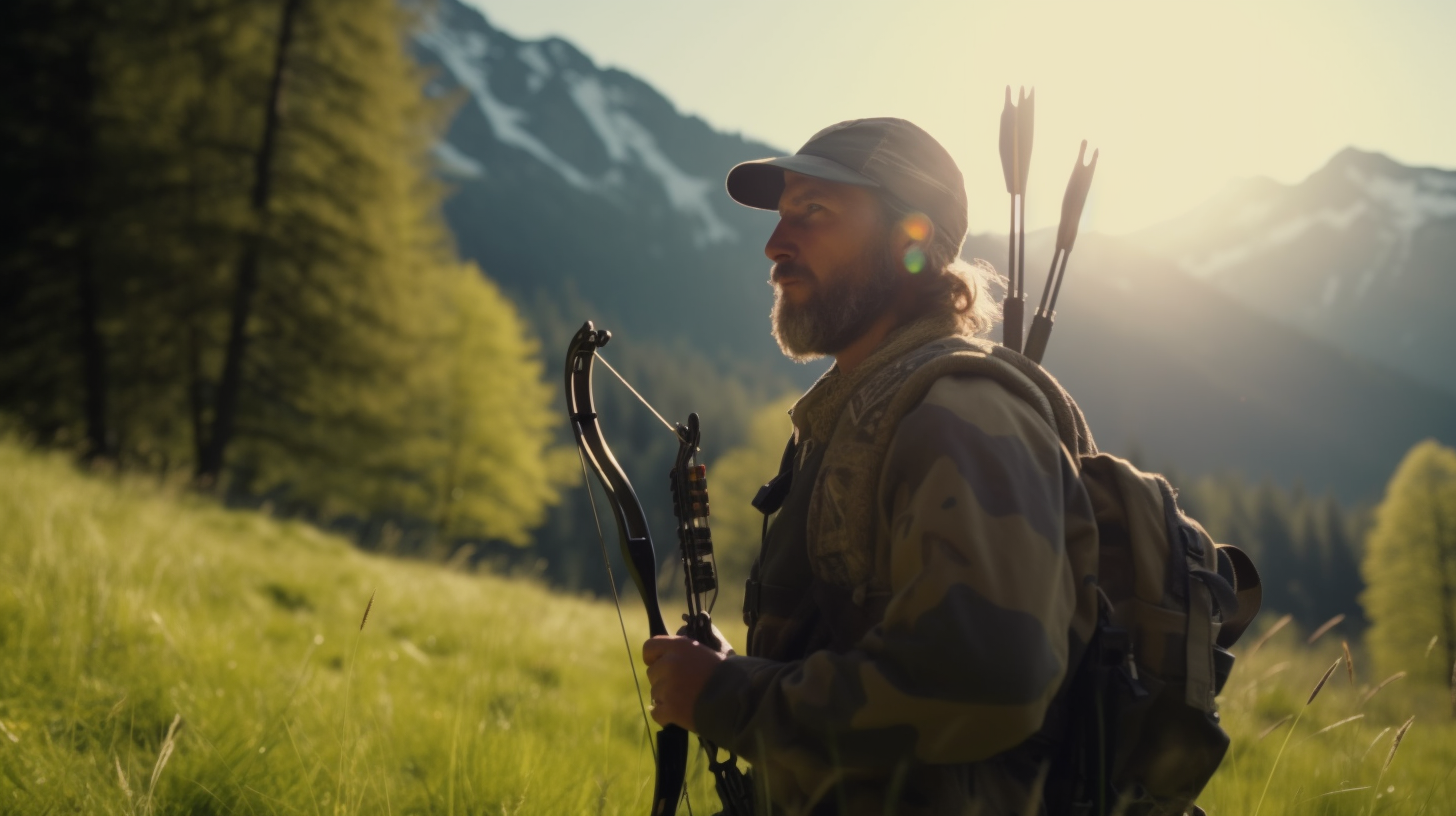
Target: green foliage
[
  {"x": 380, "y": 378},
  {"x": 495, "y": 472},
  {"x": 1410, "y": 567},
  {"x": 735, "y": 477}
]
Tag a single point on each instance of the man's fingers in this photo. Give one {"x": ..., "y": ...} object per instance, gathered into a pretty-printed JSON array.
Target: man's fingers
[{"x": 659, "y": 645}]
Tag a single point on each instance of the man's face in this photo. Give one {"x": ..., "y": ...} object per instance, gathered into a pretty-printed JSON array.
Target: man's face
[{"x": 834, "y": 270}]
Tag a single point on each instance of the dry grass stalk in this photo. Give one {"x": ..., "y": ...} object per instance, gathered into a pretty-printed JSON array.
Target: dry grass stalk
[
  {"x": 120, "y": 774},
  {"x": 1429, "y": 646},
  {"x": 1333, "y": 726},
  {"x": 1275, "y": 765},
  {"x": 1275, "y": 669},
  {"x": 1383, "y": 683},
  {"x": 1395, "y": 743},
  {"x": 169, "y": 744},
  {"x": 1321, "y": 683},
  {"x": 1335, "y": 792},
  {"x": 1349, "y": 662},
  {"x": 1275, "y": 727},
  {"x": 1273, "y": 630},
  {"x": 1383, "y": 732},
  {"x": 367, "y": 607},
  {"x": 1325, "y": 627}
]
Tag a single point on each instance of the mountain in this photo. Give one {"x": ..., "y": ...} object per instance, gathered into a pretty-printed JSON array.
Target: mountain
[
  {"x": 1361, "y": 254},
  {"x": 581, "y": 184},
  {"x": 1168, "y": 366},
  {"x": 587, "y": 194}
]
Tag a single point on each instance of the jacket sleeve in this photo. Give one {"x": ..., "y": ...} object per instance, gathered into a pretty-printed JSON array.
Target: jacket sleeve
[{"x": 977, "y": 498}]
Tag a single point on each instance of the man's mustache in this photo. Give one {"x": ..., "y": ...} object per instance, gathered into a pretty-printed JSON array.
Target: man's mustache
[{"x": 788, "y": 270}]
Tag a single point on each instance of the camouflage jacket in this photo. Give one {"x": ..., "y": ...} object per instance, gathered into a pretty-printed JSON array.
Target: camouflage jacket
[{"x": 949, "y": 587}]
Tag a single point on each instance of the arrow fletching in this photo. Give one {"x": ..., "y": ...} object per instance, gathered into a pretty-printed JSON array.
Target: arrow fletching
[
  {"x": 1075, "y": 198},
  {"x": 1025, "y": 124},
  {"x": 1008, "y": 143},
  {"x": 1072, "y": 204}
]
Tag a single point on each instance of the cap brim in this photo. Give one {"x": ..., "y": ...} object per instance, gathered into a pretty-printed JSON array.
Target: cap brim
[{"x": 759, "y": 183}]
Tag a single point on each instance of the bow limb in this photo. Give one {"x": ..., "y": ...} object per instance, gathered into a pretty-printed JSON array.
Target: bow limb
[{"x": 632, "y": 532}]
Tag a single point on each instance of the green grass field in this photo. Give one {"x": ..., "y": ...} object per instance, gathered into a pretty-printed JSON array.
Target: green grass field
[{"x": 159, "y": 654}]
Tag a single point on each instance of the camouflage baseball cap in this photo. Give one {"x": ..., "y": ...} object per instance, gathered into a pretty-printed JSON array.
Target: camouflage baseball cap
[{"x": 891, "y": 155}]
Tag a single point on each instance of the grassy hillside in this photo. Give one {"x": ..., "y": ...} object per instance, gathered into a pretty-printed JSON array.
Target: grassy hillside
[{"x": 126, "y": 605}]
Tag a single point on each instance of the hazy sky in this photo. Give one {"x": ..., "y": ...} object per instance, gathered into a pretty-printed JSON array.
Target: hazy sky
[{"x": 1179, "y": 97}]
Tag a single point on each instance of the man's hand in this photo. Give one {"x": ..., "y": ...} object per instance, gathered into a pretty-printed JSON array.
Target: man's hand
[{"x": 678, "y": 668}]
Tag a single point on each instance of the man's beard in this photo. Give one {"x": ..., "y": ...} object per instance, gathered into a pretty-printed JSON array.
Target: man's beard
[{"x": 836, "y": 314}]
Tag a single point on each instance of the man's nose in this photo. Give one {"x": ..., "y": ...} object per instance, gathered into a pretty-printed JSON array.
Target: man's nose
[{"x": 779, "y": 247}]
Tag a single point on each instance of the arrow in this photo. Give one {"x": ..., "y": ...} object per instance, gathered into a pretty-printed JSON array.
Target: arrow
[
  {"x": 1016, "y": 131},
  {"x": 1072, "y": 203}
]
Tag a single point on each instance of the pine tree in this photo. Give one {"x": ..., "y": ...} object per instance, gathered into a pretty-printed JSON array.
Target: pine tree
[{"x": 160, "y": 156}]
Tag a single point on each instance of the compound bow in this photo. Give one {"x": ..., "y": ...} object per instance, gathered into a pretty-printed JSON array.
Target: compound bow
[{"x": 690, "y": 506}]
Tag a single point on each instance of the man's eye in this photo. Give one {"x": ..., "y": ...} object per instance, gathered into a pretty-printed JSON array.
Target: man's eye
[{"x": 812, "y": 207}]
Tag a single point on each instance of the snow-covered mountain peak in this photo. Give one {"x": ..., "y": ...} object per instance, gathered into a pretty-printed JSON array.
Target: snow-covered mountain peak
[
  {"x": 519, "y": 89},
  {"x": 1359, "y": 253}
]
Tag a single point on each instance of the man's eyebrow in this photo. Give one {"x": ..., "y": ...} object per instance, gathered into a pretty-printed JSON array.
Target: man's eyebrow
[{"x": 812, "y": 191}]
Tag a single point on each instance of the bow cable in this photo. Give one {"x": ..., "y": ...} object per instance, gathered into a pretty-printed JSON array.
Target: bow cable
[
  {"x": 639, "y": 397},
  {"x": 616, "y": 601}
]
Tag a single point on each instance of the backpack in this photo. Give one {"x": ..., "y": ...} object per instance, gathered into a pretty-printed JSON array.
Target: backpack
[
  {"x": 1137, "y": 731},
  {"x": 1143, "y": 734}
]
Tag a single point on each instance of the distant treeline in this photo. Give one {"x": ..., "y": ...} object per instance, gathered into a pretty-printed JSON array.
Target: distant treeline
[
  {"x": 1308, "y": 548},
  {"x": 223, "y": 256}
]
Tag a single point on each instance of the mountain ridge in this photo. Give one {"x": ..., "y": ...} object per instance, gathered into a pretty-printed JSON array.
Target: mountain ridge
[
  {"x": 1180, "y": 366},
  {"x": 1358, "y": 254}
]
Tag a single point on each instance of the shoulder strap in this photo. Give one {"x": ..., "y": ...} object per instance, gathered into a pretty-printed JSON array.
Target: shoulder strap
[{"x": 771, "y": 496}]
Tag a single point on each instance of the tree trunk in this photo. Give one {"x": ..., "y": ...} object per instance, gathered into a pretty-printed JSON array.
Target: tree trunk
[
  {"x": 93, "y": 355},
  {"x": 82, "y": 256},
  {"x": 214, "y": 453}
]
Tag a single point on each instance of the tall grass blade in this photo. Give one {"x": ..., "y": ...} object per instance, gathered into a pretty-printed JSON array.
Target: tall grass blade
[
  {"x": 169, "y": 744},
  {"x": 1273, "y": 630},
  {"x": 1383, "y": 732},
  {"x": 367, "y": 607},
  {"x": 1274, "y": 767},
  {"x": 1275, "y": 727},
  {"x": 1349, "y": 662},
  {"x": 1321, "y": 683},
  {"x": 1395, "y": 743},
  {"x": 1400, "y": 675},
  {"x": 1325, "y": 627},
  {"x": 1394, "y": 746},
  {"x": 1333, "y": 726}
]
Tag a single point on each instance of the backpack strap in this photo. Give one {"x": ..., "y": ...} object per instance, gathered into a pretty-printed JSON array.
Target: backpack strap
[
  {"x": 771, "y": 496},
  {"x": 1069, "y": 422},
  {"x": 1238, "y": 569}
]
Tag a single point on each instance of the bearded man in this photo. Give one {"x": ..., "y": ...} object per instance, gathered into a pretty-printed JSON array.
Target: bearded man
[{"x": 928, "y": 582}]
